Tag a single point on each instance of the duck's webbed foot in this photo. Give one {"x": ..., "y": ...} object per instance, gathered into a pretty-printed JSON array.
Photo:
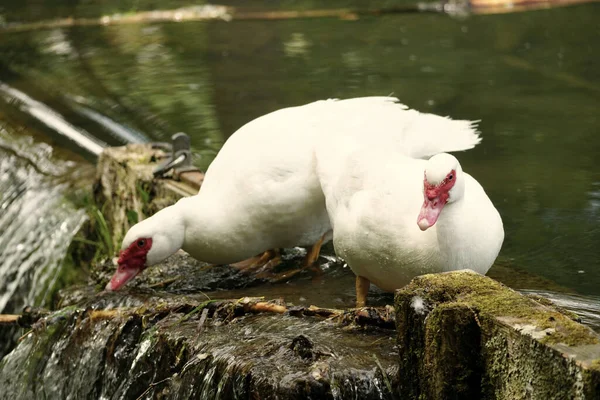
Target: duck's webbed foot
[
  {"x": 266, "y": 265},
  {"x": 312, "y": 253},
  {"x": 267, "y": 260},
  {"x": 309, "y": 262}
]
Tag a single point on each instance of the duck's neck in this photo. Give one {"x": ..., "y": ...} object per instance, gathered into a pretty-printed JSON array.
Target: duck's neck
[
  {"x": 209, "y": 235},
  {"x": 459, "y": 233}
]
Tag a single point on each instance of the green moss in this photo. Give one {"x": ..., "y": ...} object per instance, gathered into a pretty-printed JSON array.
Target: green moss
[
  {"x": 468, "y": 345},
  {"x": 547, "y": 302},
  {"x": 452, "y": 348},
  {"x": 492, "y": 299},
  {"x": 43, "y": 338}
]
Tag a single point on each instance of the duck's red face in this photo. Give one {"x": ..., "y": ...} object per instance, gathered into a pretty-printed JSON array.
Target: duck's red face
[
  {"x": 435, "y": 198},
  {"x": 131, "y": 262}
]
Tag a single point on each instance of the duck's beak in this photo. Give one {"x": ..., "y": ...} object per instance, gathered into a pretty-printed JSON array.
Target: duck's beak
[
  {"x": 124, "y": 274},
  {"x": 430, "y": 212}
]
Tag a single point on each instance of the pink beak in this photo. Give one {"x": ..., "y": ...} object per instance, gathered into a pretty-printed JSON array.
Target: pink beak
[
  {"x": 121, "y": 277},
  {"x": 430, "y": 212}
]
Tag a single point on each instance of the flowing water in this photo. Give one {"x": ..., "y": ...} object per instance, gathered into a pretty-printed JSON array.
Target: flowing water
[
  {"x": 36, "y": 223},
  {"x": 532, "y": 78}
]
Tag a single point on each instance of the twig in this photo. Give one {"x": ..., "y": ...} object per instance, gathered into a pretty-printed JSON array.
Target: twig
[
  {"x": 366, "y": 316},
  {"x": 194, "y": 311},
  {"x": 24, "y": 335},
  {"x": 152, "y": 385},
  {"x": 323, "y": 312},
  {"x": 202, "y": 319},
  {"x": 163, "y": 283},
  {"x": 377, "y": 341},
  {"x": 264, "y": 306},
  {"x": 201, "y": 323},
  {"x": 9, "y": 319},
  {"x": 105, "y": 314}
]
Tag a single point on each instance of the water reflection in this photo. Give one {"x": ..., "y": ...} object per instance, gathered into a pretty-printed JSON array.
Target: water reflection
[{"x": 50, "y": 118}]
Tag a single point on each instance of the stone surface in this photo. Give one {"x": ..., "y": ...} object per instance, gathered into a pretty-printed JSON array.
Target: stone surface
[
  {"x": 463, "y": 335},
  {"x": 167, "y": 346}
]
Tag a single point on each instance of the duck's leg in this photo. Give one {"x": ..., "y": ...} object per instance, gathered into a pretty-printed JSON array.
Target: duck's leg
[
  {"x": 362, "y": 289},
  {"x": 312, "y": 252},
  {"x": 309, "y": 261},
  {"x": 269, "y": 258}
]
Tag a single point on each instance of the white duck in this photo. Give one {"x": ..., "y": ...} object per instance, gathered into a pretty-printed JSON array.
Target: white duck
[
  {"x": 261, "y": 192},
  {"x": 396, "y": 216}
]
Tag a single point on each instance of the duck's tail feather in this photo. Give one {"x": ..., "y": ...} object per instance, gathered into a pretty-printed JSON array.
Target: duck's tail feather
[{"x": 388, "y": 122}]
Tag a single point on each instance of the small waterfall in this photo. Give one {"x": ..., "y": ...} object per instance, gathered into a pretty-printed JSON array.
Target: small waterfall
[{"x": 37, "y": 224}]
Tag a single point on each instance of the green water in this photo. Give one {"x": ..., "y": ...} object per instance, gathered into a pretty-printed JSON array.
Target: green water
[{"x": 532, "y": 78}]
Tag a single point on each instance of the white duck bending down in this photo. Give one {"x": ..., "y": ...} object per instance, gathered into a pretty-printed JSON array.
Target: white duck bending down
[
  {"x": 261, "y": 192},
  {"x": 396, "y": 216}
]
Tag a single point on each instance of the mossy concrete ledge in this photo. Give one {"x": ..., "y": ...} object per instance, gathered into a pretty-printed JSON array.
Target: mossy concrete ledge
[{"x": 462, "y": 335}]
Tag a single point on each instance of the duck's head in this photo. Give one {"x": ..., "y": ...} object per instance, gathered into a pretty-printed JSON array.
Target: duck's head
[
  {"x": 147, "y": 243},
  {"x": 443, "y": 183}
]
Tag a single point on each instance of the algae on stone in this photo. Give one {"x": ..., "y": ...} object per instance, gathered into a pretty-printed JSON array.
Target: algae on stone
[
  {"x": 493, "y": 299},
  {"x": 463, "y": 335}
]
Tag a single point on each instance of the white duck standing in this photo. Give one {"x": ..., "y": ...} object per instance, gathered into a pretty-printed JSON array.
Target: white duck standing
[{"x": 395, "y": 215}]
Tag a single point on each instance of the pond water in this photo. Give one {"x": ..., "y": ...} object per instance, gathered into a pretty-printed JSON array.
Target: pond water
[{"x": 531, "y": 78}]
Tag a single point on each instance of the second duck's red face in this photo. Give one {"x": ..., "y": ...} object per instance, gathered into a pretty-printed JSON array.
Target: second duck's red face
[{"x": 435, "y": 198}]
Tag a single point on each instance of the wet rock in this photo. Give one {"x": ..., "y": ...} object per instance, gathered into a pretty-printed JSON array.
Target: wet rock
[
  {"x": 463, "y": 335},
  {"x": 180, "y": 274},
  {"x": 131, "y": 352},
  {"x": 302, "y": 347}
]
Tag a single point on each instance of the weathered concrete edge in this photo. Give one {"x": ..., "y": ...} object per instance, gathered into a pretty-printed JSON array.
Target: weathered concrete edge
[{"x": 462, "y": 334}]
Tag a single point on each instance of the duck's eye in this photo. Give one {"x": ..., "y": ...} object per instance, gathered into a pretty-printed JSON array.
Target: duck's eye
[
  {"x": 450, "y": 177},
  {"x": 141, "y": 243}
]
